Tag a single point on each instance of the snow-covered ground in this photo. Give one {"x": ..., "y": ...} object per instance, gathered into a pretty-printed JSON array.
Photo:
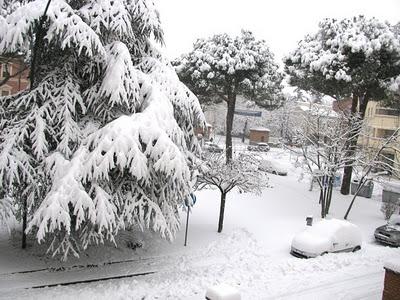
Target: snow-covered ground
[{"x": 252, "y": 253}]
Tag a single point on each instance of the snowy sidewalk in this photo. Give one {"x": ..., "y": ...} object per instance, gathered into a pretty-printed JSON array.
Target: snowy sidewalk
[
  {"x": 236, "y": 259},
  {"x": 368, "y": 284},
  {"x": 27, "y": 279}
]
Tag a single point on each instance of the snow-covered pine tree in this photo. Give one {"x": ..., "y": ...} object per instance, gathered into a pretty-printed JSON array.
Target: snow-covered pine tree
[
  {"x": 105, "y": 136},
  {"x": 352, "y": 57},
  {"x": 223, "y": 66}
]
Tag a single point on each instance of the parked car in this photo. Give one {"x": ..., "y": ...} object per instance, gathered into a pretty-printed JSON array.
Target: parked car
[
  {"x": 262, "y": 147},
  {"x": 389, "y": 234},
  {"x": 272, "y": 167},
  {"x": 212, "y": 147},
  {"x": 327, "y": 236}
]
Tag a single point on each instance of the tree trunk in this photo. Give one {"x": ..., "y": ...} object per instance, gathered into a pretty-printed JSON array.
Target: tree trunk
[
  {"x": 244, "y": 131},
  {"x": 348, "y": 169},
  {"x": 37, "y": 49},
  {"x": 24, "y": 221},
  {"x": 221, "y": 212},
  {"x": 229, "y": 124},
  {"x": 329, "y": 198},
  {"x": 323, "y": 198}
]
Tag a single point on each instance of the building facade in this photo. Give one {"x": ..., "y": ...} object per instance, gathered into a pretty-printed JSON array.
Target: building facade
[
  {"x": 17, "y": 73},
  {"x": 381, "y": 122},
  {"x": 258, "y": 135}
]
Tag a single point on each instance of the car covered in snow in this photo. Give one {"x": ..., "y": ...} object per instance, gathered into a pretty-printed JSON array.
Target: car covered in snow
[
  {"x": 389, "y": 234},
  {"x": 261, "y": 147},
  {"x": 272, "y": 167},
  {"x": 327, "y": 236},
  {"x": 212, "y": 147}
]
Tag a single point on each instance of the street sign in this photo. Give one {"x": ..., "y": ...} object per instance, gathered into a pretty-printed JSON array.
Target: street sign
[
  {"x": 248, "y": 113},
  {"x": 190, "y": 201}
]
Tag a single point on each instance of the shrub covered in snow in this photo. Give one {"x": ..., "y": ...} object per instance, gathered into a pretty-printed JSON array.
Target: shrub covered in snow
[
  {"x": 388, "y": 208},
  {"x": 104, "y": 136}
]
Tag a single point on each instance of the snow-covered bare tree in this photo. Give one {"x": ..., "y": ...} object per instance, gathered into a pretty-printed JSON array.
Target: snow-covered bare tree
[
  {"x": 241, "y": 173},
  {"x": 349, "y": 57},
  {"x": 377, "y": 160},
  {"x": 323, "y": 135},
  {"x": 223, "y": 66},
  {"x": 105, "y": 136}
]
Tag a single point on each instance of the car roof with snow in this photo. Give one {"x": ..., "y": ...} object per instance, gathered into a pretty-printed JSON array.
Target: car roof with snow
[{"x": 328, "y": 227}]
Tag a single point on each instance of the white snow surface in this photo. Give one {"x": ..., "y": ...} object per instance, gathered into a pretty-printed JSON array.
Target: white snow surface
[
  {"x": 393, "y": 265},
  {"x": 222, "y": 292},
  {"x": 250, "y": 255}
]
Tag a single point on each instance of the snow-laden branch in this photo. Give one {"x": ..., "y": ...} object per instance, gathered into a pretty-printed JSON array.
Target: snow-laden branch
[{"x": 65, "y": 28}]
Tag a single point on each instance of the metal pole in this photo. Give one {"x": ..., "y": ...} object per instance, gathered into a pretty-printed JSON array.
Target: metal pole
[{"x": 187, "y": 225}]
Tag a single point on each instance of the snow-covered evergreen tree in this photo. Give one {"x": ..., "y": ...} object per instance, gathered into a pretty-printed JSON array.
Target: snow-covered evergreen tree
[
  {"x": 224, "y": 67},
  {"x": 350, "y": 57},
  {"x": 104, "y": 137}
]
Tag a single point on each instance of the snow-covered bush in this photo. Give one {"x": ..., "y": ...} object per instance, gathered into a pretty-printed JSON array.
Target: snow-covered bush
[
  {"x": 390, "y": 207},
  {"x": 104, "y": 137}
]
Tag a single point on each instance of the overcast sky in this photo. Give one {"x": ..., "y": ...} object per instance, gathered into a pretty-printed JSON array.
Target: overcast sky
[{"x": 281, "y": 23}]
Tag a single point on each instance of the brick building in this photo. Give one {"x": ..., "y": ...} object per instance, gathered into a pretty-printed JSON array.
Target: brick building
[
  {"x": 258, "y": 135},
  {"x": 391, "y": 290},
  {"x": 17, "y": 73},
  {"x": 343, "y": 105}
]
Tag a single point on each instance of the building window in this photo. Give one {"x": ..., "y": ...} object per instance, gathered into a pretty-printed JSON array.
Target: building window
[
  {"x": 5, "y": 93},
  {"x": 4, "y": 70},
  {"x": 383, "y": 133},
  {"x": 387, "y": 112}
]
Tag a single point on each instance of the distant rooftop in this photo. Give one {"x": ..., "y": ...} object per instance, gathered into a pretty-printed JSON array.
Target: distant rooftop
[{"x": 259, "y": 129}]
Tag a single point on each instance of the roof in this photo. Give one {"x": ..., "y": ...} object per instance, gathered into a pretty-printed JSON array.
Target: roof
[
  {"x": 259, "y": 129},
  {"x": 316, "y": 109}
]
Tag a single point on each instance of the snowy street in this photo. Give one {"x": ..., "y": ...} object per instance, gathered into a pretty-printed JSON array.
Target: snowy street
[{"x": 251, "y": 254}]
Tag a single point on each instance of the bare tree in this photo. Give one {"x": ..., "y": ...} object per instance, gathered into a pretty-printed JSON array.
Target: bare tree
[
  {"x": 378, "y": 161},
  {"x": 323, "y": 136},
  {"x": 241, "y": 173}
]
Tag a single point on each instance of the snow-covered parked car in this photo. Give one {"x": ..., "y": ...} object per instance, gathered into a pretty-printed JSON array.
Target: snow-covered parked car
[
  {"x": 272, "y": 167},
  {"x": 261, "y": 147},
  {"x": 212, "y": 147},
  {"x": 389, "y": 234},
  {"x": 327, "y": 236}
]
